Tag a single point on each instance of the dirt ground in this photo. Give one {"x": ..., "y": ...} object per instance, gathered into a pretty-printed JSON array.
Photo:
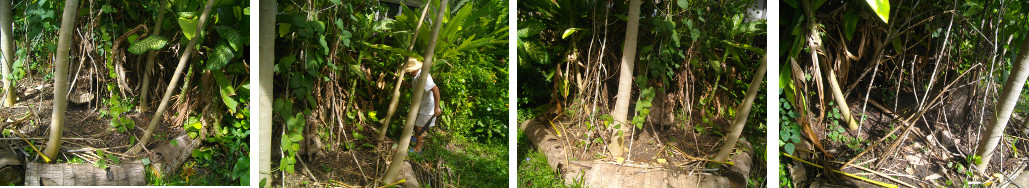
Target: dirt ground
[
  {"x": 360, "y": 167},
  {"x": 676, "y": 150},
  {"x": 85, "y": 127},
  {"x": 930, "y": 156}
]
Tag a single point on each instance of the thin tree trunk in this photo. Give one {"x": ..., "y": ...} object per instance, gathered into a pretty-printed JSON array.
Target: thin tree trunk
[
  {"x": 7, "y": 45},
  {"x": 175, "y": 81},
  {"x": 400, "y": 78},
  {"x": 1008, "y": 99},
  {"x": 742, "y": 114},
  {"x": 145, "y": 91},
  {"x": 815, "y": 42},
  {"x": 405, "y": 136},
  {"x": 263, "y": 101},
  {"x": 621, "y": 111},
  {"x": 60, "y": 101}
]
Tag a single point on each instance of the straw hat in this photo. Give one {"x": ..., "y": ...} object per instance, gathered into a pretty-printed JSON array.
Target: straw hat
[{"x": 412, "y": 65}]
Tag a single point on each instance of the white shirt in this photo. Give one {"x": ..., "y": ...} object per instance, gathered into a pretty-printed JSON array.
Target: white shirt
[{"x": 428, "y": 106}]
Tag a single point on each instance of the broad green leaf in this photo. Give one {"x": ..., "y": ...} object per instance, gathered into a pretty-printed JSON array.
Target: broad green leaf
[
  {"x": 220, "y": 56},
  {"x": 188, "y": 23},
  {"x": 569, "y": 32},
  {"x": 232, "y": 36},
  {"x": 147, "y": 44},
  {"x": 789, "y": 147},
  {"x": 284, "y": 29},
  {"x": 684, "y": 4},
  {"x": 881, "y": 8},
  {"x": 226, "y": 89}
]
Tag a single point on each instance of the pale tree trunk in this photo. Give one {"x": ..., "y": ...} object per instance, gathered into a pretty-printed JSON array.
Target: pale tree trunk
[
  {"x": 7, "y": 45},
  {"x": 145, "y": 91},
  {"x": 400, "y": 78},
  {"x": 419, "y": 91},
  {"x": 1008, "y": 99},
  {"x": 174, "y": 81},
  {"x": 742, "y": 113},
  {"x": 60, "y": 102},
  {"x": 621, "y": 111},
  {"x": 263, "y": 101}
]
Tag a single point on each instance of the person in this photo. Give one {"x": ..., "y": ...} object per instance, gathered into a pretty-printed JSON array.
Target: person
[{"x": 429, "y": 108}]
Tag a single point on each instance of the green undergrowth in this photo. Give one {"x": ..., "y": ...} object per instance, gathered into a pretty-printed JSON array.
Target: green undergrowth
[
  {"x": 533, "y": 170},
  {"x": 473, "y": 163}
]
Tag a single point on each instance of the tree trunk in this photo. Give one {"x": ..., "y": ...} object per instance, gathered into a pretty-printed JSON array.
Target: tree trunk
[
  {"x": 742, "y": 114},
  {"x": 264, "y": 89},
  {"x": 175, "y": 81},
  {"x": 145, "y": 91},
  {"x": 405, "y": 136},
  {"x": 60, "y": 102},
  {"x": 1008, "y": 99},
  {"x": 7, "y": 45},
  {"x": 625, "y": 77},
  {"x": 400, "y": 77}
]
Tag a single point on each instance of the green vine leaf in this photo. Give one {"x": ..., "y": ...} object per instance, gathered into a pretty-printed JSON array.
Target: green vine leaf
[
  {"x": 220, "y": 56},
  {"x": 147, "y": 44}
]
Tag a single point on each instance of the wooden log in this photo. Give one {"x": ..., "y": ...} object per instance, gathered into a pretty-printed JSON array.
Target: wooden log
[
  {"x": 166, "y": 160},
  {"x": 66, "y": 174},
  {"x": 170, "y": 156}
]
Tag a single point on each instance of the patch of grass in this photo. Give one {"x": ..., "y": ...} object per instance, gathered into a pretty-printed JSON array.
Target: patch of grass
[
  {"x": 533, "y": 170},
  {"x": 474, "y": 164}
]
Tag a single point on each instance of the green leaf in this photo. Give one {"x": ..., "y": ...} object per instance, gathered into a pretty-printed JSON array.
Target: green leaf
[
  {"x": 684, "y": 4},
  {"x": 569, "y": 32},
  {"x": 188, "y": 23},
  {"x": 881, "y": 8},
  {"x": 404, "y": 52},
  {"x": 789, "y": 147},
  {"x": 220, "y": 56},
  {"x": 323, "y": 44},
  {"x": 232, "y": 36},
  {"x": 147, "y": 44},
  {"x": 226, "y": 89},
  {"x": 850, "y": 20},
  {"x": 146, "y": 161}
]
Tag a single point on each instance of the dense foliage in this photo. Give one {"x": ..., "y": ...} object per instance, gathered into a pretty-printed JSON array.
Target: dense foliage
[
  {"x": 112, "y": 40},
  {"x": 336, "y": 64},
  {"x": 694, "y": 62},
  {"x": 902, "y": 54}
]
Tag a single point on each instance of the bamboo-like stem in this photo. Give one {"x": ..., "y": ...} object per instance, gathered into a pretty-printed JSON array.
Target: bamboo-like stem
[
  {"x": 175, "y": 81},
  {"x": 400, "y": 78},
  {"x": 145, "y": 91}
]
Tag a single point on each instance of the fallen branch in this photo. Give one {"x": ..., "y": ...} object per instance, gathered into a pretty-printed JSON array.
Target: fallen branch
[{"x": 841, "y": 172}]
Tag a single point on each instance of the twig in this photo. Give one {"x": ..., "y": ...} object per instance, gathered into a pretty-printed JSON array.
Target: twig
[
  {"x": 841, "y": 172},
  {"x": 688, "y": 157},
  {"x": 308, "y": 171},
  {"x": 878, "y": 173},
  {"x": 394, "y": 183}
]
